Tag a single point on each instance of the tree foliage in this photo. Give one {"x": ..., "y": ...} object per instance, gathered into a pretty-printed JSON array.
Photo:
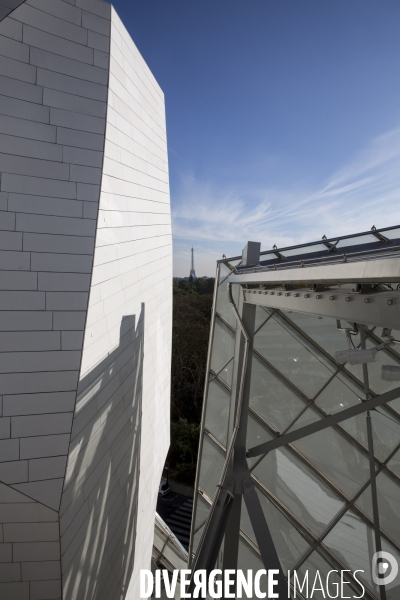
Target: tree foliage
[{"x": 190, "y": 333}]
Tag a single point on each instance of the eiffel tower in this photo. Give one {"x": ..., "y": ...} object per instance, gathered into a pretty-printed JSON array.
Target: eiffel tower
[{"x": 192, "y": 271}]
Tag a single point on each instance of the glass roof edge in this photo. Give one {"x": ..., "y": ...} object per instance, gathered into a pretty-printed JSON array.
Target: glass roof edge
[
  {"x": 368, "y": 271},
  {"x": 323, "y": 240}
]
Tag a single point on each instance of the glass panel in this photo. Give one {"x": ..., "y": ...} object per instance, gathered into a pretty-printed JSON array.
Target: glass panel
[
  {"x": 211, "y": 465},
  {"x": 340, "y": 394},
  {"x": 352, "y": 540},
  {"x": 375, "y": 368},
  {"x": 223, "y": 350},
  {"x": 393, "y": 589},
  {"x": 223, "y": 273},
  {"x": 310, "y": 415},
  {"x": 364, "y": 239},
  {"x": 386, "y": 432},
  {"x": 315, "y": 563},
  {"x": 388, "y": 503},
  {"x": 305, "y": 250},
  {"x": 256, "y": 434},
  {"x": 394, "y": 464},
  {"x": 299, "y": 489},
  {"x": 395, "y": 404},
  {"x": 322, "y": 330},
  {"x": 337, "y": 457},
  {"x": 272, "y": 397},
  {"x": 261, "y": 316},
  {"x": 291, "y": 357},
  {"x": 396, "y": 334},
  {"x": 298, "y": 482},
  {"x": 288, "y": 542},
  {"x": 302, "y": 337},
  {"x": 250, "y": 559},
  {"x": 217, "y": 411},
  {"x": 392, "y": 235},
  {"x": 202, "y": 510},
  {"x": 223, "y": 306}
]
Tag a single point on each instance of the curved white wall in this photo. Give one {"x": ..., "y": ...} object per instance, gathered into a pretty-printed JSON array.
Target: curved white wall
[
  {"x": 131, "y": 281},
  {"x": 85, "y": 303}
]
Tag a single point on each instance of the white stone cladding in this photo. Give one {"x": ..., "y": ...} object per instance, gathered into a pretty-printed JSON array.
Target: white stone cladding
[
  {"x": 85, "y": 303},
  {"x": 131, "y": 281},
  {"x": 7, "y": 6}
]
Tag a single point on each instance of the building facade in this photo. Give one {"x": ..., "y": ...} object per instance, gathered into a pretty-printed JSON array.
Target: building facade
[
  {"x": 85, "y": 302},
  {"x": 299, "y": 458}
]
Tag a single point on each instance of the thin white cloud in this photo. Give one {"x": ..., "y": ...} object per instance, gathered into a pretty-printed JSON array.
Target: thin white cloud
[{"x": 360, "y": 194}]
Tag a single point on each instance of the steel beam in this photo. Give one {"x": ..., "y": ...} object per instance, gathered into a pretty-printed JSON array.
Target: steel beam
[
  {"x": 264, "y": 539},
  {"x": 343, "y": 415},
  {"x": 311, "y": 402},
  {"x": 203, "y": 416},
  {"x": 305, "y": 533},
  {"x": 215, "y": 526},
  {"x": 379, "y": 308},
  {"x": 291, "y": 326},
  {"x": 349, "y": 502},
  {"x": 235, "y": 480},
  {"x": 334, "y": 240},
  {"x": 374, "y": 494},
  {"x": 363, "y": 271},
  {"x": 372, "y": 471}
]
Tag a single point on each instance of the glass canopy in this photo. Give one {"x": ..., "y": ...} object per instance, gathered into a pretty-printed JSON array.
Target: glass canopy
[{"x": 315, "y": 403}]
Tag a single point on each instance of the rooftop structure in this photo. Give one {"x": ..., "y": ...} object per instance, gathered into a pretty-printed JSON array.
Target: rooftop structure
[{"x": 299, "y": 457}]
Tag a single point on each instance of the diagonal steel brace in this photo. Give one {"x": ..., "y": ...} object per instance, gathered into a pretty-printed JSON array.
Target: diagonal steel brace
[{"x": 236, "y": 481}]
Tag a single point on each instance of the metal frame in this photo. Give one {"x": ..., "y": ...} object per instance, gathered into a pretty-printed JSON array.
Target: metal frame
[
  {"x": 324, "y": 241},
  {"x": 203, "y": 416},
  {"x": 349, "y": 502},
  {"x": 235, "y": 481},
  {"x": 236, "y": 475},
  {"x": 348, "y": 305},
  {"x": 342, "y": 415}
]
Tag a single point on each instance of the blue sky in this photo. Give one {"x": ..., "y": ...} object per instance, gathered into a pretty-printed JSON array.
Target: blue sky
[{"x": 283, "y": 118}]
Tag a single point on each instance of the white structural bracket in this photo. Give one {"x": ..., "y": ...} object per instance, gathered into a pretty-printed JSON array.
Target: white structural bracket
[{"x": 381, "y": 309}]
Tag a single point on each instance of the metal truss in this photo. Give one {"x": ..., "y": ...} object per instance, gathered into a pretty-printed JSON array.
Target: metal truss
[
  {"x": 314, "y": 542},
  {"x": 351, "y": 306},
  {"x": 349, "y": 502},
  {"x": 290, "y": 325},
  {"x": 238, "y": 481},
  {"x": 315, "y": 545},
  {"x": 378, "y": 233},
  {"x": 235, "y": 482},
  {"x": 203, "y": 416},
  {"x": 338, "y": 417},
  {"x": 311, "y": 402}
]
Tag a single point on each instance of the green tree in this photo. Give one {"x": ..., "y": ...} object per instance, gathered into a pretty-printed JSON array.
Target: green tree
[{"x": 192, "y": 304}]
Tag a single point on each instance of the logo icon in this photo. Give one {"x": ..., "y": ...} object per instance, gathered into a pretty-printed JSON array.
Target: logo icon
[{"x": 384, "y": 568}]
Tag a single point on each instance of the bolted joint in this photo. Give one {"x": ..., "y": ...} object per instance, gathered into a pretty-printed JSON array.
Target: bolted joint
[{"x": 247, "y": 486}]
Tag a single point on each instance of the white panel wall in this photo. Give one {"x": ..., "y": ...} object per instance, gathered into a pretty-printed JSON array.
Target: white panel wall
[
  {"x": 7, "y": 6},
  {"x": 120, "y": 434},
  {"x": 84, "y": 342},
  {"x": 135, "y": 214},
  {"x": 53, "y": 103}
]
